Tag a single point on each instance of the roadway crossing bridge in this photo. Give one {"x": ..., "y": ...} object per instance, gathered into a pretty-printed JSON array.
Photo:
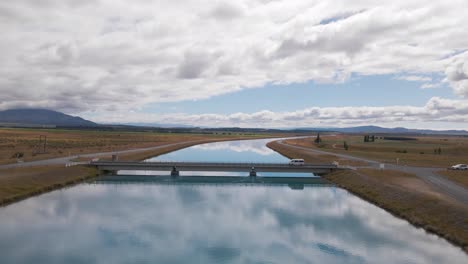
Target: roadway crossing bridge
[{"x": 175, "y": 167}]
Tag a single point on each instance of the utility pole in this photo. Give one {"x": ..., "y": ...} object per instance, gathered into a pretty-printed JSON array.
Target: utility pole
[{"x": 42, "y": 143}]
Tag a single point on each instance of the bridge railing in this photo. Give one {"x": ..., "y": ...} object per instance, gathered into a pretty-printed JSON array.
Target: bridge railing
[{"x": 219, "y": 164}]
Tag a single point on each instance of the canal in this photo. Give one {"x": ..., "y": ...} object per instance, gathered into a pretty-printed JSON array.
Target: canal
[{"x": 211, "y": 222}]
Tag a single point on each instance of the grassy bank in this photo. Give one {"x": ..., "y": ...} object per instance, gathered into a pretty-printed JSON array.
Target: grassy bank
[
  {"x": 309, "y": 157},
  {"x": 20, "y": 183},
  {"x": 414, "y": 151},
  {"x": 401, "y": 194}
]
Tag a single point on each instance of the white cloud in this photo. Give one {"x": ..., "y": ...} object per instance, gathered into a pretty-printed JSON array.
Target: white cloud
[
  {"x": 436, "y": 111},
  {"x": 430, "y": 85},
  {"x": 414, "y": 78},
  {"x": 119, "y": 55},
  {"x": 457, "y": 74}
]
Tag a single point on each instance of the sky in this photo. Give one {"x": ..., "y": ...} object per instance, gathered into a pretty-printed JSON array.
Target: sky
[{"x": 257, "y": 63}]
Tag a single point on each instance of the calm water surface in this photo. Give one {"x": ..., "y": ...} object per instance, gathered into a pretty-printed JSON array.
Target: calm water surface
[{"x": 211, "y": 223}]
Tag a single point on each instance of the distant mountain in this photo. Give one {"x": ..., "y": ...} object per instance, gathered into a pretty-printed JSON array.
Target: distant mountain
[
  {"x": 396, "y": 130},
  {"x": 42, "y": 117},
  {"x": 49, "y": 118}
]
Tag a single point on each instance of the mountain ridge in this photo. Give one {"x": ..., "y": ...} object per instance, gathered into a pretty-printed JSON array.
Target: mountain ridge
[{"x": 36, "y": 116}]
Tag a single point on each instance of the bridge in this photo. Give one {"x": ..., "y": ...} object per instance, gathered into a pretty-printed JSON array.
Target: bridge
[{"x": 175, "y": 167}]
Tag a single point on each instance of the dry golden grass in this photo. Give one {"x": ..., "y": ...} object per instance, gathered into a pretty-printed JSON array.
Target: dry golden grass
[
  {"x": 296, "y": 153},
  {"x": 419, "y": 152},
  {"x": 21, "y": 183},
  {"x": 405, "y": 181},
  {"x": 460, "y": 177},
  {"x": 310, "y": 157},
  {"x": 72, "y": 142}
]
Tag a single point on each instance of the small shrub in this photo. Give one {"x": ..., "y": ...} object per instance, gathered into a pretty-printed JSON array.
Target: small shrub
[{"x": 17, "y": 155}]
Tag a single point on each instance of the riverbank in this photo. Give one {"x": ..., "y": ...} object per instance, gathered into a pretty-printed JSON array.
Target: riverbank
[
  {"x": 20, "y": 183},
  {"x": 401, "y": 194}
]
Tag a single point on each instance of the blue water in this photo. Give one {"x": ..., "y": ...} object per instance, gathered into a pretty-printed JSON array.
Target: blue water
[{"x": 155, "y": 222}]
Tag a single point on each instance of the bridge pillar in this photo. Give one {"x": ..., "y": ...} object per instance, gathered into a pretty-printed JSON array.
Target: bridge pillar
[
  {"x": 253, "y": 173},
  {"x": 107, "y": 172},
  {"x": 174, "y": 172}
]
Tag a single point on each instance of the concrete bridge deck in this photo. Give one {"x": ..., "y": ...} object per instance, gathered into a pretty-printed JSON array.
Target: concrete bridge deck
[{"x": 252, "y": 168}]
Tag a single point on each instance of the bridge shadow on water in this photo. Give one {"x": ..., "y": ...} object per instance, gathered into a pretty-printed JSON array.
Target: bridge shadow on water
[{"x": 292, "y": 182}]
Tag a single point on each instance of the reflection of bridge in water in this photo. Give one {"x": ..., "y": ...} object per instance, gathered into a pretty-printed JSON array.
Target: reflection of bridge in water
[
  {"x": 292, "y": 182},
  {"x": 251, "y": 168}
]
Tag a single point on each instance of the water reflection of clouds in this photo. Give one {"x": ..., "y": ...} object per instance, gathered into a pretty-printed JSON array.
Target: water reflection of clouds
[
  {"x": 210, "y": 224},
  {"x": 213, "y": 173},
  {"x": 254, "y": 146},
  {"x": 183, "y": 173}
]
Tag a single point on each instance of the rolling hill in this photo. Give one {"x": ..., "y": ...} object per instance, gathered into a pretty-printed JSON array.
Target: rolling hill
[{"x": 42, "y": 117}]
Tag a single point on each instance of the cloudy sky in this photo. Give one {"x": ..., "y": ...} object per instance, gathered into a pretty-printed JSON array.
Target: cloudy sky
[{"x": 257, "y": 63}]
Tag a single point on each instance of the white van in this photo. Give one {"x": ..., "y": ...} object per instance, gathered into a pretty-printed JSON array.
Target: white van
[{"x": 296, "y": 162}]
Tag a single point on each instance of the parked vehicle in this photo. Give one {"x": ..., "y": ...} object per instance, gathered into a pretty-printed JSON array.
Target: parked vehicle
[
  {"x": 296, "y": 162},
  {"x": 459, "y": 167}
]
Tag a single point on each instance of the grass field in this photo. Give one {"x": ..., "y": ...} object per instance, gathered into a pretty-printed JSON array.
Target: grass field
[
  {"x": 26, "y": 143},
  {"x": 417, "y": 152},
  {"x": 310, "y": 157},
  {"x": 20, "y": 183}
]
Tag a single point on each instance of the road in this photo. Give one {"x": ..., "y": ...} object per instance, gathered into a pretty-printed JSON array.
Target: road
[
  {"x": 68, "y": 159},
  {"x": 428, "y": 175}
]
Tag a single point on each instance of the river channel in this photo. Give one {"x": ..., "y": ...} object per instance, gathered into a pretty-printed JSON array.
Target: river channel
[{"x": 211, "y": 222}]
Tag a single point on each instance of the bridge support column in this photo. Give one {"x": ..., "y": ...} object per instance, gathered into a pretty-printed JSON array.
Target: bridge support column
[
  {"x": 253, "y": 173},
  {"x": 107, "y": 172},
  {"x": 174, "y": 172}
]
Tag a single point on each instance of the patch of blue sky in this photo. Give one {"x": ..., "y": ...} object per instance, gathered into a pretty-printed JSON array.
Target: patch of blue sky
[
  {"x": 375, "y": 90},
  {"x": 339, "y": 17}
]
